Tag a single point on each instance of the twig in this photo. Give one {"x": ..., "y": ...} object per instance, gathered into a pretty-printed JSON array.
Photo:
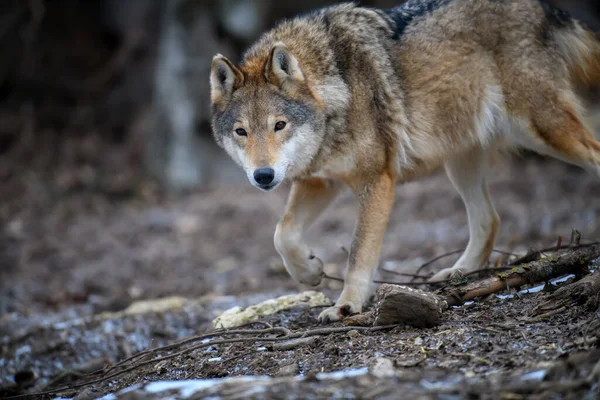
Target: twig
[
  {"x": 477, "y": 271},
  {"x": 401, "y": 304},
  {"x": 559, "y": 242},
  {"x": 534, "y": 255},
  {"x": 193, "y": 339},
  {"x": 428, "y": 263},
  {"x": 416, "y": 274},
  {"x": 412, "y": 283},
  {"x": 391, "y": 271},
  {"x": 506, "y": 253},
  {"x": 239, "y": 356},
  {"x": 292, "y": 344},
  {"x": 288, "y": 335},
  {"x": 335, "y": 278},
  {"x": 538, "y": 271},
  {"x": 548, "y": 314},
  {"x": 174, "y": 355},
  {"x": 575, "y": 238}
]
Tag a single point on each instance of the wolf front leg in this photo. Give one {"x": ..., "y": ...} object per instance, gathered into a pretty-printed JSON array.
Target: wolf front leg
[
  {"x": 308, "y": 199},
  {"x": 375, "y": 200}
]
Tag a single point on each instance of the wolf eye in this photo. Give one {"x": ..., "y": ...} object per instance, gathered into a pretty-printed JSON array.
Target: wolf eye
[
  {"x": 241, "y": 132},
  {"x": 279, "y": 126}
]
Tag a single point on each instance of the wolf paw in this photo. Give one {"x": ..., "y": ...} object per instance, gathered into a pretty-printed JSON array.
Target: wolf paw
[
  {"x": 308, "y": 271},
  {"x": 338, "y": 312},
  {"x": 445, "y": 274}
]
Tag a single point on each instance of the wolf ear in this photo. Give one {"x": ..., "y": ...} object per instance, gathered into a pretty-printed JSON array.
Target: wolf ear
[
  {"x": 282, "y": 67},
  {"x": 224, "y": 79}
]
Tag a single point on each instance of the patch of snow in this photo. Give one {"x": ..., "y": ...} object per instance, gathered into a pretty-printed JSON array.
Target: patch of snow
[
  {"x": 563, "y": 279},
  {"x": 110, "y": 396},
  {"x": 348, "y": 373},
  {"x": 186, "y": 388},
  {"x": 536, "y": 289},
  {"x": 447, "y": 384},
  {"x": 23, "y": 350},
  {"x": 538, "y": 375}
]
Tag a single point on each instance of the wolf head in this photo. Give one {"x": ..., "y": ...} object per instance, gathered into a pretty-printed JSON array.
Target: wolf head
[{"x": 265, "y": 116}]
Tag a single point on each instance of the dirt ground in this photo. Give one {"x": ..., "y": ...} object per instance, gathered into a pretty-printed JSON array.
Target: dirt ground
[{"x": 68, "y": 269}]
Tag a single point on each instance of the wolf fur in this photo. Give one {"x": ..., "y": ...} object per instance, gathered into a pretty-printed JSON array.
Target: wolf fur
[{"x": 369, "y": 97}]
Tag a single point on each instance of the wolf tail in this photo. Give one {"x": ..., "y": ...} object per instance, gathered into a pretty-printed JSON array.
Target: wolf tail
[{"x": 580, "y": 48}]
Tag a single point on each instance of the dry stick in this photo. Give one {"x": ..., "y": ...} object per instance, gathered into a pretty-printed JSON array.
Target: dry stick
[
  {"x": 192, "y": 339},
  {"x": 548, "y": 314},
  {"x": 536, "y": 271},
  {"x": 529, "y": 257},
  {"x": 411, "y": 283},
  {"x": 401, "y": 304},
  {"x": 182, "y": 352},
  {"x": 335, "y": 278},
  {"x": 391, "y": 271},
  {"x": 416, "y": 274},
  {"x": 534, "y": 255},
  {"x": 293, "y": 343},
  {"x": 477, "y": 271},
  {"x": 575, "y": 238},
  {"x": 436, "y": 259},
  {"x": 426, "y": 264},
  {"x": 287, "y": 336}
]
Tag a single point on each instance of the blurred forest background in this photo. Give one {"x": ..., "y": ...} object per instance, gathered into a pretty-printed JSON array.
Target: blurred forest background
[
  {"x": 99, "y": 95},
  {"x": 106, "y": 102}
]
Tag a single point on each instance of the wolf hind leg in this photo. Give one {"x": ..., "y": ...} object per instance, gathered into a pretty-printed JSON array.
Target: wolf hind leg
[
  {"x": 467, "y": 174},
  {"x": 564, "y": 135}
]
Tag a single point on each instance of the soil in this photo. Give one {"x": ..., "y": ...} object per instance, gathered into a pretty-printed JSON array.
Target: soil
[{"x": 71, "y": 267}]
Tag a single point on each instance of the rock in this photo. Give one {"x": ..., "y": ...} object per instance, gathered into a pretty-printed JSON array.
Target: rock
[
  {"x": 238, "y": 316},
  {"x": 383, "y": 368},
  {"x": 287, "y": 370},
  {"x": 292, "y": 344}
]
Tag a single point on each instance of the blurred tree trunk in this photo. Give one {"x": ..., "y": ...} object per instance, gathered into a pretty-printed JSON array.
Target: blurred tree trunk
[{"x": 181, "y": 152}]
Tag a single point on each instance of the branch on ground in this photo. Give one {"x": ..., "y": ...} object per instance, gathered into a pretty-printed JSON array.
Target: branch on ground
[{"x": 403, "y": 305}]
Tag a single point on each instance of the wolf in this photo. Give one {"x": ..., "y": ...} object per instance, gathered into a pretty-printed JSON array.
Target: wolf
[{"x": 352, "y": 96}]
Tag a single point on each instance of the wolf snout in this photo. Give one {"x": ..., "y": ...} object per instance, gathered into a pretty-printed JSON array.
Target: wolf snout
[{"x": 264, "y": 177}]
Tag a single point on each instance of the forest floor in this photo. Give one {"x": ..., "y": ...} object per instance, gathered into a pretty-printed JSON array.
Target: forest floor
[{"x": 68, "y": 271}]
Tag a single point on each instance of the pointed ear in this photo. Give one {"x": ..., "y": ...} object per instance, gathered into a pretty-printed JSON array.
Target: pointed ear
[
  {"x": 282, "y": 67},
  {"x": 224, "y": 79}
]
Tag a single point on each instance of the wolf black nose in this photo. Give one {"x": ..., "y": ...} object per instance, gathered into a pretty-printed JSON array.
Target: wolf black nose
[{"x": 264, "y": 176}]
